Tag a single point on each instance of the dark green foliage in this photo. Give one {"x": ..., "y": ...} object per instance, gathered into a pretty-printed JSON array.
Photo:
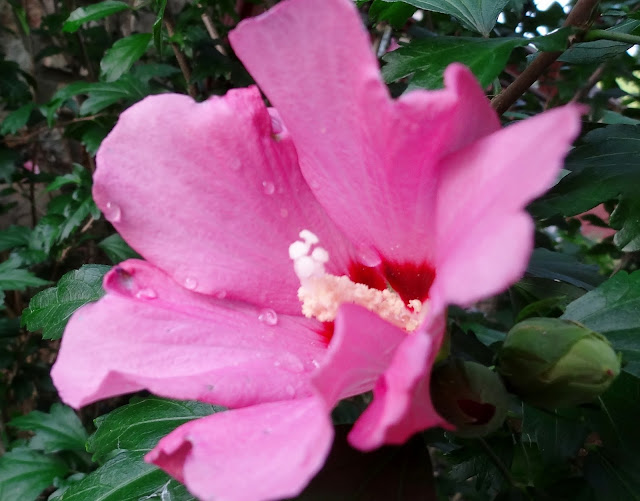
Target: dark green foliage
[{"x": 89, "y": 61}]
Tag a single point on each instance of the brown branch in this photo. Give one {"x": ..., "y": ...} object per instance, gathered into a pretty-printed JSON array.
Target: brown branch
[
  {"x": 579, "y": 17},
  {"x": 213, "y": 33},
  {"x": 591, "y": 83},
  {"x": 182, "y": 61}
]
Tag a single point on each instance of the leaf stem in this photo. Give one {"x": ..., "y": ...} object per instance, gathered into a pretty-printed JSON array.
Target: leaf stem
[{"x": 611, "y": 35}]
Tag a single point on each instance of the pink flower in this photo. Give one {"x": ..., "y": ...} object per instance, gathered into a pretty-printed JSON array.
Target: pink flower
[
  {"x": 31, "y": 166},
  {"x": 424, "y": 194}
]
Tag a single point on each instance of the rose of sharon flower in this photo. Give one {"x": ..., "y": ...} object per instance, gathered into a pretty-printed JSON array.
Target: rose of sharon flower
[{"x": 300, "y": 256}]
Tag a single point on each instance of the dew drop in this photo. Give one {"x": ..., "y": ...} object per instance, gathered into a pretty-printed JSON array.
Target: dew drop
[
  {"x": 276, "y": 125},
  {"x": 221, "y": 294},
  {"x": 112, "y": 212},
  {"x": 284, "y": 212},
  {"x": 190, "y": 283},
  {"x": 268, "y": 187},
  {"x": 368, "y": 257},
  {"x": 315, "y": 363},
  {"x": 268, "y": 316},
  {"x": 146, "y": 293},
  {"x": 291, "y": 391},
  {"x": 291, "y": 363}
]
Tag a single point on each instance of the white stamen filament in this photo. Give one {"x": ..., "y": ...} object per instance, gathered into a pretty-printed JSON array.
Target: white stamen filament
[{"x": 322, "y": 294}]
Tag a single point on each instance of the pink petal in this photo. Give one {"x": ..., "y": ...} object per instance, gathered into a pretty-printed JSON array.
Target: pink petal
[
  {"x": 267, "y": 451},
  {"x": 361, "y": 349},
  {"x": 213, "y": 195},
  {"x": 369, "y": 160},
  {"x": 401, "y": 398},
  {"x": 150, "y": 333},
  {"x": 484, "y": 237}
]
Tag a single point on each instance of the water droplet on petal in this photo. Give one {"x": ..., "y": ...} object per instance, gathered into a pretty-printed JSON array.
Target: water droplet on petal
[
  {"x": 291, "y": 391},
  {"x": 276, "y": 125},
  {"x": 284, "y": 212},
  {"x": 146, "y": 293},
  {"x": 315, "y": 363},
  {"x": 221, "y": 294},
  {"x": 268, "y": 316},
  {"x": 112, "y": 212},
  {"x": 268, "y": 187},
  {"x": 190, "y": 283},
  {"x": 291, "y": 363},
  {"x": 368, "y": 257}
]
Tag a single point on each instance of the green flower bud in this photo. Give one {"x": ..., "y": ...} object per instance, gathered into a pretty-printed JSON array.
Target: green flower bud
[
  {"x": 553, "y": 363},
  {"x": 470, "y": 396}
]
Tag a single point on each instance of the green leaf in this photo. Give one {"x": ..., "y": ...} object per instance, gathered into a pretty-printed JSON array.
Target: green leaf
[
  {"x": 478, "y": 15},
  {"x": 485, "y": 335},
  {"x": 101, "y": 94},
  {"x": 24, "y": 474},
  {"x": 559, "y": 434},
  {"x": 77, "y": 217},
  {"x": 601, "y": 50},
  {"x": 157, "y": 24},
  {"x": 50, "y": 309},
  {"x": 117, "y": 249},
  {"x": 554, "y": 42},
  {"x": 613, "y": 309},
  {"x": 93, "y": 135},
  {"x": 126, "y": 477},
  {"x": 17, "y": 119},
  {"x": 612, "y": 468},
  {"x": 612, "y": 476},
  {"x": 121, "y": 56},
  {"x": 8, "y": 160},
  {"x": 626, "y": 219},
  {"x": 14, "y": 236},
  {"x": 603, "y": 167},
  {"x": 78, "y": 176},
  {"x": 14, "y": 278},
  {"x": 427, "y": 59},
  {"x": 558, "y": 266},
  {"x": 93, "y": 12},
  {"x": 58, "y": 430},
  {"x": 395, "y": 13},
  {"x": 139, "y": 425},
  {"x": 131, "y": 431}
]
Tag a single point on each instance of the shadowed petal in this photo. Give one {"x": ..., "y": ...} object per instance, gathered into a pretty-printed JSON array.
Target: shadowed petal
[
  {"x": 361, "y": 349},
  {"x": 150, "y": 333},
  {"x": 212, "y": 194},
  {"x": 267, "y": 451},
  {"x": 401, "y": 398}
]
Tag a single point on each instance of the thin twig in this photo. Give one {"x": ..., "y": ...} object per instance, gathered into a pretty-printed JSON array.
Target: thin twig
[
  {"x": 16, "y": 140},
  {"x": 580, "y": 17},
  {"x": 213, "y": 33},
  {"x": 182, "y": 61},
  {"x": 584, "y": 90}
]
